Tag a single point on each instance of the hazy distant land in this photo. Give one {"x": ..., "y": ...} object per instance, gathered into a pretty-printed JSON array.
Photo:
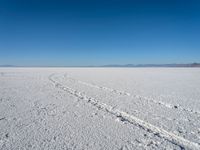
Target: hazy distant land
[{"x": 118, "y": 65}]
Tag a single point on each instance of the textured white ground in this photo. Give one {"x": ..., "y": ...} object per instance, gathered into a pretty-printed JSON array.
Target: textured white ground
[{"x": 99, "y": 108}]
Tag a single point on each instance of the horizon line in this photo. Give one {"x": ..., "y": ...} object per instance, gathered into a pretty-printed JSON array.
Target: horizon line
[{"x": 115, "y": 65}]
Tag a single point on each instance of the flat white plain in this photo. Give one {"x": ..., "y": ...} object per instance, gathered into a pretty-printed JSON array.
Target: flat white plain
[{"x": 99, "y": 108}]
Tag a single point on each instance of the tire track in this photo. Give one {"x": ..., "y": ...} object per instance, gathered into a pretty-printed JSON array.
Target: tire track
[
  {"x": 123, "y": 93},
  {"x": 99, "y": 87},
  {"x": 159, "y": 132}
]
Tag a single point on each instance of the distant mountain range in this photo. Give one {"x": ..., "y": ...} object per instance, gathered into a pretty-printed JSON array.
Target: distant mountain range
[
  {"x": 126, "y": 65},
  {"x": 156, "y": 65},
  {"x": 7, "y": 66}
]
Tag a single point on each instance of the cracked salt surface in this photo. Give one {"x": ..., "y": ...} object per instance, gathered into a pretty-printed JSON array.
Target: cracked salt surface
[{"x": 99, "y": 108}]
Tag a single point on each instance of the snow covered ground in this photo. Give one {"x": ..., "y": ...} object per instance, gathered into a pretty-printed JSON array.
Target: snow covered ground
[{"x": 99, "y": 108}]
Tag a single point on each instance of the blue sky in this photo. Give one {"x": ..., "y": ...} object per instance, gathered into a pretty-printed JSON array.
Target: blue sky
[{"x": 99, "y": 32}]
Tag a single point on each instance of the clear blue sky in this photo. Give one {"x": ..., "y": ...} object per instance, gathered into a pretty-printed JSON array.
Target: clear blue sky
[{"x": 98, "y": 32}]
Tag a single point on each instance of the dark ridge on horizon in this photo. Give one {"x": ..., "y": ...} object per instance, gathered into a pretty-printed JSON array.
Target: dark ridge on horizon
[
  {"x": 155, "y": 65},
  {"x": 8, "y": 66},
  {"x": 125, "y": 66}
]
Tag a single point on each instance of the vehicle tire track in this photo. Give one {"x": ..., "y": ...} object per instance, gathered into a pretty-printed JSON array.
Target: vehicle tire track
[
  {"x": 123, "y": 93},
  {"x": 159, "y": 132},
  {"x": 99, "y": 87}
]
